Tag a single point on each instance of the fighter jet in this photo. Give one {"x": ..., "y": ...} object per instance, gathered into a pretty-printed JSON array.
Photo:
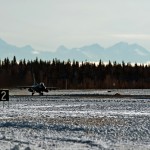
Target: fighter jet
[{"x": 37, "y": 88}]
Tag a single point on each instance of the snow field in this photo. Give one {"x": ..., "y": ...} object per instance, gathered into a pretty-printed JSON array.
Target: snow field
[{"x": 54, "y": 122}]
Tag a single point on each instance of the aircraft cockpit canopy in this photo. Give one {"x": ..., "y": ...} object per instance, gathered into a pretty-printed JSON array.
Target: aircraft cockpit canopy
[{"x": 42, "y": 84}]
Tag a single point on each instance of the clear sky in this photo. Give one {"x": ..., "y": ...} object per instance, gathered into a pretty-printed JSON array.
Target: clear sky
[{"x": 47, "y": 24}]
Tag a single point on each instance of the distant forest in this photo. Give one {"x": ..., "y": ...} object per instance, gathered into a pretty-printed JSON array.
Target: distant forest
[{"x": 74, "y": 75}]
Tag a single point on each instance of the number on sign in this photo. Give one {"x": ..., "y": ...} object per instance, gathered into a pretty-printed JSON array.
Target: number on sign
[{"x": 4, "y": 95}]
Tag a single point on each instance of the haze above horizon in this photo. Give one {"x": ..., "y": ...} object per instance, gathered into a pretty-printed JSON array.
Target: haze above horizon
[{"x": 50, "y": 23}]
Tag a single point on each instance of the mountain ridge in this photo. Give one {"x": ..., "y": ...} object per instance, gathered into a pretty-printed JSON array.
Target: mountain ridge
[{"x": 121, "y": 51}]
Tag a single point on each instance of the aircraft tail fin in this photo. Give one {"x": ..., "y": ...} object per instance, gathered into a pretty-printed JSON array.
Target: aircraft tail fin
[{"x": 34, "y": 81}]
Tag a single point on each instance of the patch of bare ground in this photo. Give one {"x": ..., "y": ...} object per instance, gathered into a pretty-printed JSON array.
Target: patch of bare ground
[
  {"x": 95, "y": 121},
  {"x": 79, "y": 121}
]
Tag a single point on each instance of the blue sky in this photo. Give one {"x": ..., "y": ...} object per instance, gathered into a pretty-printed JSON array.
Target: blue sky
[{"x": 47, "y": 24}]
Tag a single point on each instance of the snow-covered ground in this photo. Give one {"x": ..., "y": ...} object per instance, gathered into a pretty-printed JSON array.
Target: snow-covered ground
[{"x": 60, "y": 121}]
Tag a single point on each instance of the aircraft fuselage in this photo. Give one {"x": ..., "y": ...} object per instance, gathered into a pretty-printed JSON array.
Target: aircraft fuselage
[{"x": 39, "y": 88}]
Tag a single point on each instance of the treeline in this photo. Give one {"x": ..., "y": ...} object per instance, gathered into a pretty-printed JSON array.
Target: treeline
[{"x": 74, "y": 75}]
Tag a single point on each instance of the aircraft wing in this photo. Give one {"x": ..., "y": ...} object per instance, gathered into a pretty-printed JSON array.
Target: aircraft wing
[
  {"x": 24, "y": 87},
  {"x": 51, "y": 88}
]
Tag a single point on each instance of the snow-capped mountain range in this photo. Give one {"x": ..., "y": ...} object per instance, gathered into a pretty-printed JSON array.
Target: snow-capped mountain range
[{"x": 119, "y": 52}]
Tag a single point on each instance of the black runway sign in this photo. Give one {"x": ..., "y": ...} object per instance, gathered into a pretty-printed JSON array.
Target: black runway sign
[{"x": 4, "y": 95}]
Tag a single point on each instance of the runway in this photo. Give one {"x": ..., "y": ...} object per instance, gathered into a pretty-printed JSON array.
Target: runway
[{"x": 117, "y": 95}]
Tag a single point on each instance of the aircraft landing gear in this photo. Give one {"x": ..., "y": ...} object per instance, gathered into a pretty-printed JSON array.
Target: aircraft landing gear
[
  {"x": 32, "y": 93},
  {"x": 41, "y": 94}
]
